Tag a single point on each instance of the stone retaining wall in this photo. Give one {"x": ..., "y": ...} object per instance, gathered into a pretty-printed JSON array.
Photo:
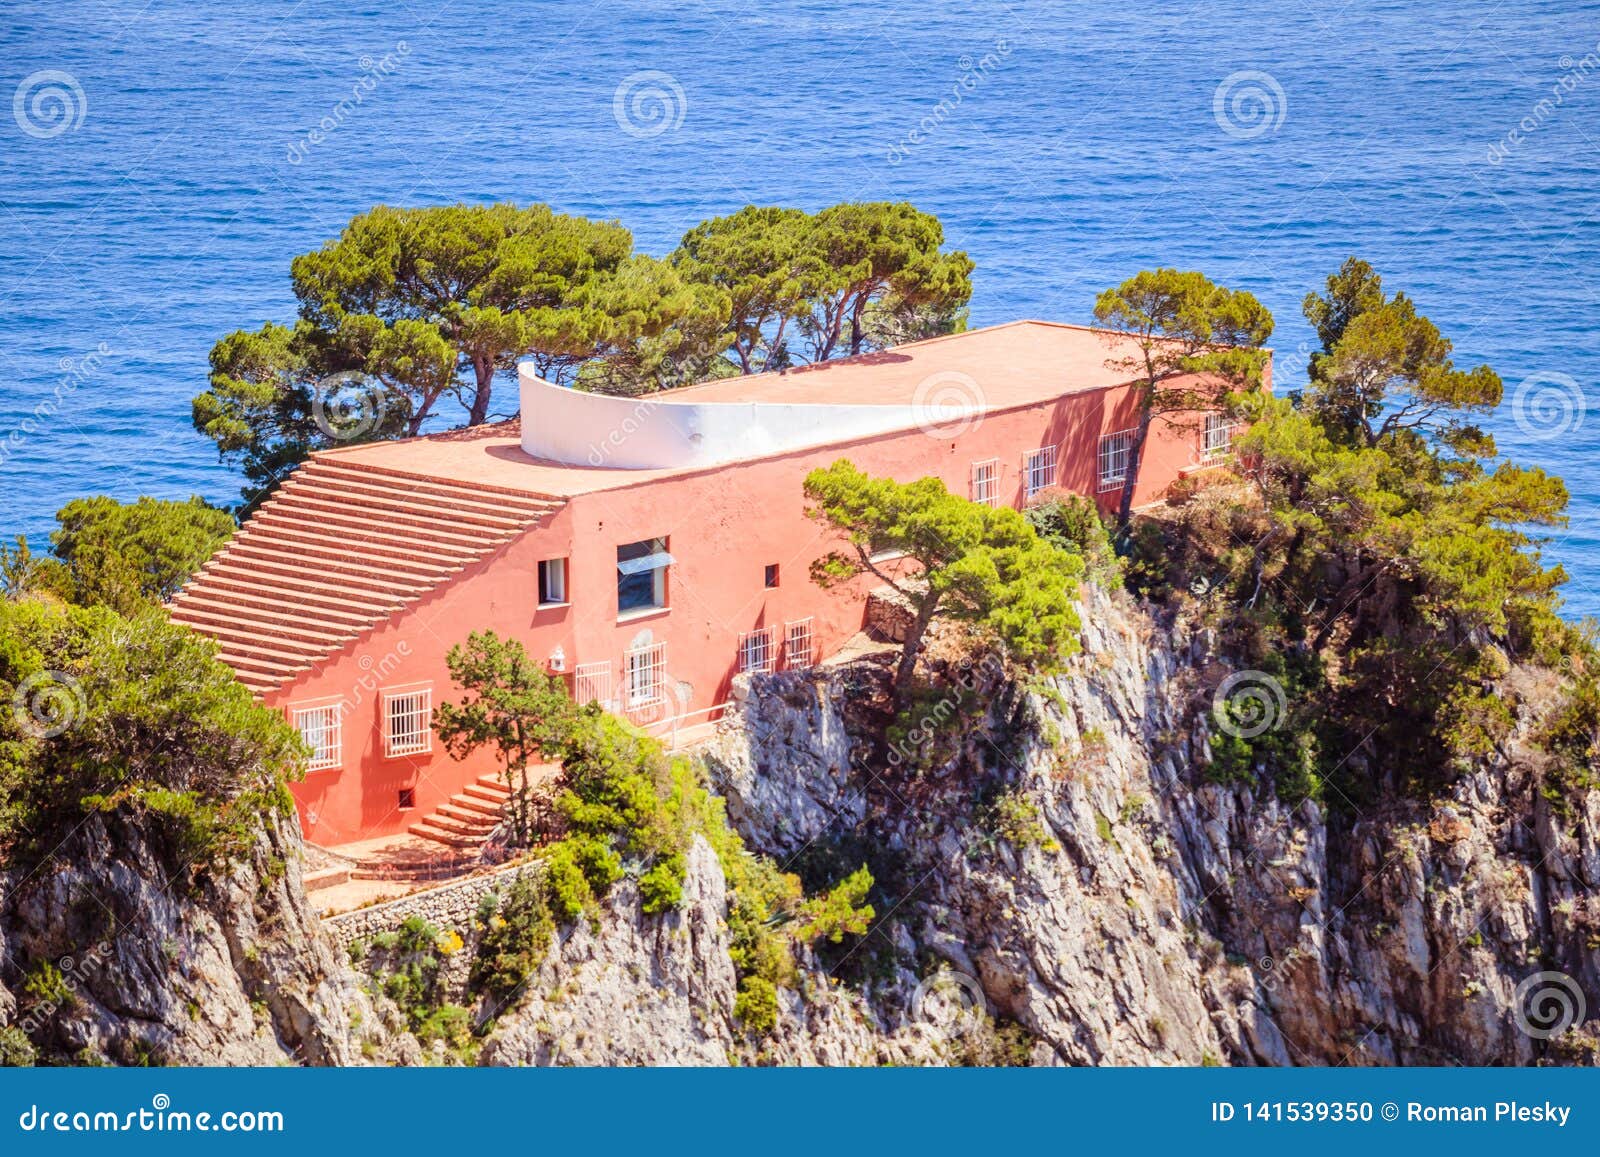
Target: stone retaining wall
[{"x": 450, "y": 905}]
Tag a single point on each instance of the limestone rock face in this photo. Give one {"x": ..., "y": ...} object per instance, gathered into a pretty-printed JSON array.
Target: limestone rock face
[
  {"x": 1059, "y": 884},
  {"x": 1152, "y": 917},
  {"x": 110, "y": 960},
  {"x": 634, "y": 989}
]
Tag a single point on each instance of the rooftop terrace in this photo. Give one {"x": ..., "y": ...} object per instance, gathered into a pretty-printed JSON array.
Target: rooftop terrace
[{"x": 568, "y": 443}]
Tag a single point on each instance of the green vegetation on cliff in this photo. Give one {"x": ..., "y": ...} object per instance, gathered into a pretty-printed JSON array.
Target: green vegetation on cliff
[
  {"x": 107, "y": 715},
  {"x": 1377, "y": 565},
  {"x": 625, "y": 807}
]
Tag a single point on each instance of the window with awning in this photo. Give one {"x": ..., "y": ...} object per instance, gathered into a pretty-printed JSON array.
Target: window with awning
[{"x": 642, "y": 575}]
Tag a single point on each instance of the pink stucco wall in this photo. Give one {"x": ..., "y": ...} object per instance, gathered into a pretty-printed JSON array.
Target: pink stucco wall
[{"x": 724, "y": 525}]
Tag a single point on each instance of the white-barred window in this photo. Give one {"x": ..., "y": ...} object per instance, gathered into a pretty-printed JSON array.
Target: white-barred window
[
  {"x": 407, "y": 722},
  {"x": 1115, "y": 452},
  {"x": 323, "y": 731},
  {"x": 1038, "y": 470},
  {"x": 756, "y": 655},
  {"x": 986, "y": 482}
]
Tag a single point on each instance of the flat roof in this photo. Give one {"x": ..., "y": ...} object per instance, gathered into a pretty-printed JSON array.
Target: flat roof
[{"x": 1014, "y": 364}]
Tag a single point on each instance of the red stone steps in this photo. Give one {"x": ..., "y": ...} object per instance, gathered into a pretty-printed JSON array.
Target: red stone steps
[
  {"x": 338, "y": 549},
  {"x": 234, "y": 622},
  {"x": 469, "y": 818},
  {"x": 344, "y": 552},
  {"x": 331, "y": 466},
  {"x": 438, "y": 494},
  {"x": 361, "y": 527},
  {"x": 355, "y": 576},
  {"x": 256, "y": 588},
  {"x": 407, "y": 551},
  {"x": 312, "y": 506},
  {"x": 400, "y": 507}
]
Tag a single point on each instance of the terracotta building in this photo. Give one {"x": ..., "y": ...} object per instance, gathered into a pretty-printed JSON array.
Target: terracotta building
[{"x": 648, "y": 549}]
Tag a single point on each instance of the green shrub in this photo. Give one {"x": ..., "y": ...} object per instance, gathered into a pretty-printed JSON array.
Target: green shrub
[
  {"x": 842, "y": 909},
  {"x": 1572, "y": 737},
  {"x": 1074, "y": 524},
  {"x": 517, "y": 931},
  {"x": 756, "y": 1005},
  {"x": 1016, "y": 819},
  {"x": 132, "y": 718},
  {"x": 662, "y": 886},
  {"x": 16, "y": 1050},
  {"x": 449, "y": 1023},
  {"x": 46, "y": 986},
  {"x": 570, "y": 895}
]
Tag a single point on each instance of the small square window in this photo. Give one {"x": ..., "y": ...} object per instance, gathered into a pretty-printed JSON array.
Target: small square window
[
  {"x": 642, "y": 575},
  {"x": 408, "y": 798},
  {"x": 553, "y": 582},
  {"x": 772, "y": 575}
]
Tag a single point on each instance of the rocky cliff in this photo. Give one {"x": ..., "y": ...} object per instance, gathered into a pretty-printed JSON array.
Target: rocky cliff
[
  {"x": 1058, "y": 882},
  {"x": 1058, "y": 848},
  {"x": 110, "y": 957}
]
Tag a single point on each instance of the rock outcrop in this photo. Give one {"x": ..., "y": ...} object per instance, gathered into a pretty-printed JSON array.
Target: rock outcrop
[
  {"x": 109, "y": 958},
  {"x": 1066, "y": 852},
  {"x": 1059, "y": 882}
]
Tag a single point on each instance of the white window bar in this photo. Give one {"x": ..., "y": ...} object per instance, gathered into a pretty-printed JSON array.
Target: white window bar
[
  {"x": 1115, "y": 450},
  {"x": 591, "y": 683},
  {"x": 1216, "y": 439},
  {"x": 986, "y": 482},
  {"x": 323, "y": 730},
  {"x": 407, "y": 719},
  {"x": 644, "y": 676},
  {"x": 1038, "y": 470},
  {"x": 756, "y": 652},
  {"x": 797, "y": 646}
]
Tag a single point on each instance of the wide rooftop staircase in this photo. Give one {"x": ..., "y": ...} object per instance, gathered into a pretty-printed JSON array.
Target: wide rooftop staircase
[{"x": 334, "y": 552}]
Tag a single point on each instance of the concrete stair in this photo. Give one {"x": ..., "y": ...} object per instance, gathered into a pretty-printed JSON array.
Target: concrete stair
[
  {"x": 339, "y": 548},
  {"x": 467, "y": 821}
]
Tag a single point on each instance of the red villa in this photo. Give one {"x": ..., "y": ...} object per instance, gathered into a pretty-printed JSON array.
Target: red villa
[{"x": 648, "y": 549}]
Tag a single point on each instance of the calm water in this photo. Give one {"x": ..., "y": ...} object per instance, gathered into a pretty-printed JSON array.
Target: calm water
[{"x": 1087, "y": 144}]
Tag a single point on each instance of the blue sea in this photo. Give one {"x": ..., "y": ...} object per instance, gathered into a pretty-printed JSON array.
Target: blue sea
[{"x": 158, "y": 171}]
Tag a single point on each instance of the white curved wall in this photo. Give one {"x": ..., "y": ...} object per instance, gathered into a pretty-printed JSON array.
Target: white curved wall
[{"x": 582, "y": 429}]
